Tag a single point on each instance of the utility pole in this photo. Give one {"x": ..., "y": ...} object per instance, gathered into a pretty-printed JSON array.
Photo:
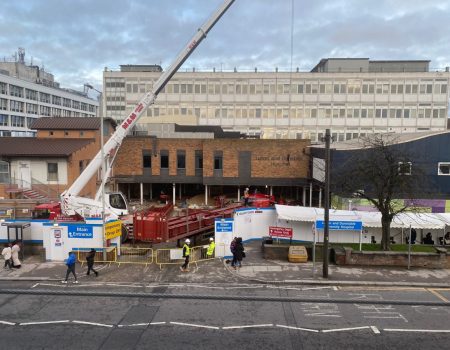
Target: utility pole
[{"x": 326, "y": 229}]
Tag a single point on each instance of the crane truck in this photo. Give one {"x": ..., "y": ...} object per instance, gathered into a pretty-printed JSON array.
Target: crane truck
[{"x": 115, "y": 205}]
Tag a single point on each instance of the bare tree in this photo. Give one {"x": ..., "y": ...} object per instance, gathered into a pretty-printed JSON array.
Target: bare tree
[{"x": 381, "y": 171}]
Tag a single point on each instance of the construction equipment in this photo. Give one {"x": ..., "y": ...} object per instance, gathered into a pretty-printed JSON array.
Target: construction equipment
[{"x": 115, "y": 205}]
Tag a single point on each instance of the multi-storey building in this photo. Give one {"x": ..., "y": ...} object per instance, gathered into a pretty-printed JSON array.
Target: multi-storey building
[
  {"x": 28, "y": 93},
  {"x": 353, "y": 97}
]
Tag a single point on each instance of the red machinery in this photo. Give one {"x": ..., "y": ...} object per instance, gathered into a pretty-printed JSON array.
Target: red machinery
[{"x": 155, "y": 226}]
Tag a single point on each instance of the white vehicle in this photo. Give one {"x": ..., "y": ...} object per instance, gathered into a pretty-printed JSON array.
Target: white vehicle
[{"x": 115, "y": 203}]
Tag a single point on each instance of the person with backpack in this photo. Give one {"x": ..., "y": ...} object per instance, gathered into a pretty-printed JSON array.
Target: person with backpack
[
  {"x": 90, "y": 258},
  {"x": 70, "y": 262}
]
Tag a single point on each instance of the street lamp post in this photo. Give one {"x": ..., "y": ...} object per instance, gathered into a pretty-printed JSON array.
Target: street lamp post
[{"x": 89, "y": 86}]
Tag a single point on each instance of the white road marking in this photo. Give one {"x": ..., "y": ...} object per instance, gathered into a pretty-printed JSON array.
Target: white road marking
[
  {"x": 35, "y": 285},
  {"x": 344, "y": 329},
  {"x": 94, "y": 324},
  {"x": 417, "y": 330},
  {"x": 298, "y": 328},
  {"x": 43, "y": 322},
  {"x": 313, "y": 288},
  {"x": 7, "y": 323},
  {"x": 249, "y": 326},
  {"x": 375, "y": 329},
  {"x": 193, "y": 325},
  {"x": 133, "y": 325},
  {"x": 157, "y": 323}
]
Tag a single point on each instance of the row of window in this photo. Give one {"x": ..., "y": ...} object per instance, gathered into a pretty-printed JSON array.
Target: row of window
[
  {"x": 181, "y": 160},
  {"x": 16, "y": 121},
  {"x": 405, "y": 168},
  {"x": 248, "y": 88},
  {"x": 18, "y": 91},
  {"x": 292, "y": 113}
]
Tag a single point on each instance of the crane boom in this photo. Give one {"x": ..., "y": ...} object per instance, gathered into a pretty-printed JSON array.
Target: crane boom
[{"x": 68, "y": 197}]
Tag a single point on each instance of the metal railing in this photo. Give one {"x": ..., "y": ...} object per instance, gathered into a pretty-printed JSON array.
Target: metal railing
[
  {"x": 108, "y": 258},
  {"x": 148, "y": 256},
  {"x": 127, "y": 255}
]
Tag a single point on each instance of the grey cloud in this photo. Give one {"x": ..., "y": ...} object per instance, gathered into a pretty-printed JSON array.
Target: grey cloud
[{"x": 75, "y": 40}]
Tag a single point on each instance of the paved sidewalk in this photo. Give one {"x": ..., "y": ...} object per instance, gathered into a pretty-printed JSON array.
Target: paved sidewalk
[{"x": 255, "y": 269}]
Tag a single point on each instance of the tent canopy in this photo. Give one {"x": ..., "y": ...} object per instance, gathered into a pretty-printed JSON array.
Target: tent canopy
[{"x": 430, "y": 221}]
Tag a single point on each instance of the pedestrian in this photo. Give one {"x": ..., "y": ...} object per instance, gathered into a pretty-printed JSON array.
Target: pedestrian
[
  {"x": 186, "y": 254},
  {"x": 6, "y": 252},
  {"x": 239, "y": 252},
  {"x": 211, "y": 247},
  {"x": 70, "y": 262},
  {"x": 90, "y": 258},
  {"x": 246, "y": 196},
  {"x": 15, "y": 255},
  {"x": 233, "y": 251}
]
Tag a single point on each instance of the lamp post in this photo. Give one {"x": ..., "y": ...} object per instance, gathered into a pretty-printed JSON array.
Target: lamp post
[{"x": 89, "y": 86}]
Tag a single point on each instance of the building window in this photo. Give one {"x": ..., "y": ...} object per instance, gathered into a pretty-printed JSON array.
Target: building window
[
  {"x": 52, "y": 171},
  {"x": 164, "y": 159},
  {"x": 147, "y": 159},
  {"x": 17, "y": 121},
  {"x": 4, "y": 172},
  {"x": 444, "y": 168},
  {"x": 80, "y": 164},
  {"x": 218, "y": 161},
  {"x": 3, "y": 120},
  {"x": 181, "y": 160},
  {"x": 50, "y": 133},
  {"x": 404, "y": 168}
]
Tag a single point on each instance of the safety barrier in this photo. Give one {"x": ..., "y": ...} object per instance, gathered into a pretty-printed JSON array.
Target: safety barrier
[
  {"x": 148, "y": 256},
  {"x": 200, "y": 253},
  {"x": 169, "y": 257},
  {"x": 100, "y": 257},
  {"x": 128, "y": 255},
  {"x": 175, "y": 256}
]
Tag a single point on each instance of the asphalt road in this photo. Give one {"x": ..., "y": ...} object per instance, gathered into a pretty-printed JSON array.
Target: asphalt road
[{"x": 72, "y": 322}]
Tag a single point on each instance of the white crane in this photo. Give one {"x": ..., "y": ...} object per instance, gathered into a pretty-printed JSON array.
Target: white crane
[{"x": 71, "y": 203}]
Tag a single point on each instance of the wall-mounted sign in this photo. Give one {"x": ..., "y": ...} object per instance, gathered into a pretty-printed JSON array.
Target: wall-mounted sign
[
  {"x": 337, "y": 225},
  {"x": 75, "y": 231},
  {"x": 281, "y": 232},
  {"x": 224, "y": 225},
  {"x": 113, "y": 229}
]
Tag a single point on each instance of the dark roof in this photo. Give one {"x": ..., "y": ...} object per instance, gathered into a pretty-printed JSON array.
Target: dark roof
[
  {"x": 69, "y": 123},
  {"x": 215, "y": 129},
  {"x": 39, "y": 147}
]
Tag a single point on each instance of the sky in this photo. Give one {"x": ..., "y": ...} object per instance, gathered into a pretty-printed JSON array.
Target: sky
[{"x": 76, "y": 39}]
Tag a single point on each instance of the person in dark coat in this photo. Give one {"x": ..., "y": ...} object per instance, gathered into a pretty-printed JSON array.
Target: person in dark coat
[
  {"x": 90, "y": 258},
  {"x": 239, "y": 252},
  {"x": 233, "y": 251}
]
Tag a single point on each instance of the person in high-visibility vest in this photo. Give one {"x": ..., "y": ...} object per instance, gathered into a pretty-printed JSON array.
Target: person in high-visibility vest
[
  {"x": 186, "y": 254},
  {"x": 210, "y": 250}
]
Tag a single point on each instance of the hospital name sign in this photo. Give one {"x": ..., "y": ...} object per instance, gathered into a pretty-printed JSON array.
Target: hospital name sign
[{"x": 340, "y": 225}]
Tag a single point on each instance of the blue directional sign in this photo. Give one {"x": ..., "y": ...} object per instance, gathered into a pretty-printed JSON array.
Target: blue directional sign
[
  {"x": 75, "y": 231},
  {"x": 224, "y": 225},
  {"x": 338, "y": 225}
]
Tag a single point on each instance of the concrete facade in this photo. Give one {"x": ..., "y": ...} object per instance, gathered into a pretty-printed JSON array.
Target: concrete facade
[
  {"x": 22, "y": 100},
  {"x": 290, "y": 105}
]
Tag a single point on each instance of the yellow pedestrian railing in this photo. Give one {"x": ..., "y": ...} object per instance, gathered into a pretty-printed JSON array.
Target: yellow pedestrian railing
[
  {"x": 109, "y": 257},
  {"x": 148, "y": 256},
  {"x": 128, "y": 255},
  {"x": 199, "y": 253},
  {"x": 169, "y": 257}
]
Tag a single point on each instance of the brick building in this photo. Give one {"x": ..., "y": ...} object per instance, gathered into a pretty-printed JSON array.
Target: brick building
[
  {"x": 182, "y": 167},
  {"x": 42, "y": 167}
]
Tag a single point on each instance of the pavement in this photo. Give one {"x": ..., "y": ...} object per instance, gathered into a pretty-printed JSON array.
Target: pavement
[{"x": 255, "y": 269}]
